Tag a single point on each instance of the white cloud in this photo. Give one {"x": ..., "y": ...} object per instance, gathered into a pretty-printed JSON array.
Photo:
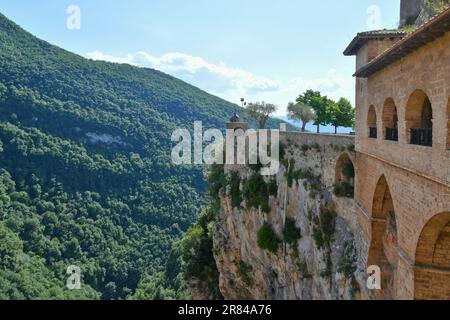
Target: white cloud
[
  {"x": 333, "y": 84},
  {"x": 213, "y": 77},
  {"x": 233, "y": 83},
  {"x": 97, "y": 55}
]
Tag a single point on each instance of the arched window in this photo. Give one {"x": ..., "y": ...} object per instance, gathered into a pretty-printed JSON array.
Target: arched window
[
  {"x": 432, "y": 271},
  {"x": 419, "y": 119},
  {"x": 390, "y": 120},
  {"x": 372, "y": 122}
]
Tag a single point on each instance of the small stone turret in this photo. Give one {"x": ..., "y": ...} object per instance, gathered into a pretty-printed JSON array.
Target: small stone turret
[{"x": 236, "y": 123}]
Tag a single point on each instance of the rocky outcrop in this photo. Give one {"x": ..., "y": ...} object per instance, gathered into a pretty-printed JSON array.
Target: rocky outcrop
[
  {"x": 322, "y": 263},
  {"x": 429, "y": 9},
  {"x": 417, "y": 12}
]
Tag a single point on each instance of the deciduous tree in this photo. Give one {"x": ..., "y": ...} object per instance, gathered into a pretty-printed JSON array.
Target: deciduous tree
[
  {"x": 261, "y": 112},
  {"x": 320, "y": 104},
  {"x": 301, "y": 112}
]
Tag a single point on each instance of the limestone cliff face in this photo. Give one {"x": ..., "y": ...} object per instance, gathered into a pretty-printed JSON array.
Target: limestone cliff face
[
  {"x": 417, "y": 12},
  {"x": 429, "y": 8},
  {"x": 324, "y": 263}
]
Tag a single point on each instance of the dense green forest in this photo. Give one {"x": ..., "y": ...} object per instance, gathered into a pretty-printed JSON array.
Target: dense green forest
[{"x": 85, "y": 173}]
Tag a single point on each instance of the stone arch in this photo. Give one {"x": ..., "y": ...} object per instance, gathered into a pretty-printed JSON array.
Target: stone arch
[
  {"x": 372, "y": 122},
  {"x": 419, "y": 119},
  {"x": 383, "y": 246},
  {"x": 345, "y": 170},
  {"x": 432, "y": 270},
  {"x": 344, "y": 180},
  {"x": 390, "y": 120}
]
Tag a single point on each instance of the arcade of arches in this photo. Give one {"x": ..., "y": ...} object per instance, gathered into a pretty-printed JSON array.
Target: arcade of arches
[
  {"x": 383, "y": 247},
  {"x": 432, "y": 271},
  {"x": 418, "y": 119},
  {"x": 432, "y": 256},
  {"x": 402, "y": 182}
]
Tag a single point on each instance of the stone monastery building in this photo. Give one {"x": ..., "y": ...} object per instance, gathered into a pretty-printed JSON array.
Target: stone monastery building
[{"x": 402, "y": 187}]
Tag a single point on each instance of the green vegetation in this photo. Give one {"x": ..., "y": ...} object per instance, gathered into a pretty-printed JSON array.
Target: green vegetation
[
  {"x": 342, "y": 114},
  {"x": 243, "y": 272},
  {"x": 272, "y": 187},
  {"x": 328, "y": 271},
  {"x": 348, "y": 170},
  {"x": 323, "y": 235},
  {"x": 267, "y": 239},
  {"x": 344, "y": 189},
  {"x": 235, "y": 192},
  {"x": 327, "y": 111},
  {"x": 291, "y": 233},
  {"x": 86, "y": 172},
  {"x": 312, "y": 182},
  {"x": 323, "y": 230},
  {"x": 256, "y": 193},
  {"x": 217, "y": 181},
  {"x": 301, "y": 112},
  {"x": 197, "y": 252},
  {"x": 303, "y": 268},
  {"x": 347, "y": 263},
  {"x": 261, "y": 112}
]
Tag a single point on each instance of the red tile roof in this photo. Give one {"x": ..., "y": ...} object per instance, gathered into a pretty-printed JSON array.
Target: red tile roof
[
  {"x": 362, "y": 37},
  {"x": 428, "y": 32}
]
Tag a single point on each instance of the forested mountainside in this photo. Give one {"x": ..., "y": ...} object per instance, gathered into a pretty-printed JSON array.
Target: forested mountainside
[{"x": 85, "y": 172}]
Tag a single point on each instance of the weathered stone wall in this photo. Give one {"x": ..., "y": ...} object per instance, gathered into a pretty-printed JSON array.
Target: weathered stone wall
[
  {"x": 371, "y": 49},
  {"x": 417, "y": 177},
  {"x": 292, "y": 273}
]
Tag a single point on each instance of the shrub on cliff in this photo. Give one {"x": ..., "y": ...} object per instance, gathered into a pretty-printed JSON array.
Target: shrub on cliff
[
  {"x": 343, "y": 189},
  {"x": 347, "y": 262},
  {"x": 197, "y": 252},
  {"x": 243, "y": 270},
  {"x": 324, "y": 227},
  {"x": 348, "y": 170},
  {"x": 235, "y": 192},
  {"x": 273, "y": 187},
  {"x": 217, "y": 180},
  {"x": 291, "y": 233},
  {"x": 267, "y": 239},
  {"x": 256, "y": 193},
  {"x": 312, "y": 182}
]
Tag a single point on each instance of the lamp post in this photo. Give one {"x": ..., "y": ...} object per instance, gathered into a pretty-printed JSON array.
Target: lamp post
[{"x": 243, "y": 103}]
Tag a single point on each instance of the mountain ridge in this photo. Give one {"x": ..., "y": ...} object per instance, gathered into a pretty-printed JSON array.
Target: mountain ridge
[{"x": 85, "y": 170}]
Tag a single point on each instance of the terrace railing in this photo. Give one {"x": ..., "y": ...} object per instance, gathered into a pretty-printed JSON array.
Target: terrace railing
[
  {"x": 422, "y": 136},
  {"x": 392, "y": 134}
]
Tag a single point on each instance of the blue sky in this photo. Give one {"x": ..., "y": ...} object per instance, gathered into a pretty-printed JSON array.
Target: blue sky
[{"x": 257, "y": 49}]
